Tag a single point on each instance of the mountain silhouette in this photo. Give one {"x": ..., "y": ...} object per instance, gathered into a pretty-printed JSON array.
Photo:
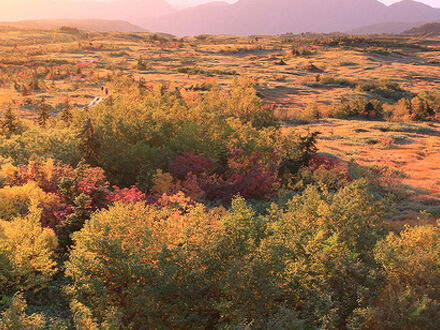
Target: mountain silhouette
[
  {"x": 244, "y": 17},
  {"x": 247, "y": 17},
  {"x": 90, "y": 25}
]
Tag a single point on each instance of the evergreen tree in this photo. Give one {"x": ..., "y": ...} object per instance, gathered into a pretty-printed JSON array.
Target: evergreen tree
[
  {"x": 89, "y": 142},
  {"x": 66, "y": 113},
  {"x": 10, "y": 123},
  {"x": 43, "y": 113}
]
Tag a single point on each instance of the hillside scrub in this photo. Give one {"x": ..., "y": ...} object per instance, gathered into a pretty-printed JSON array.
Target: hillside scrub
[
  {"x": 170, "y": 208},
  {"x": 158, "y": 266}
]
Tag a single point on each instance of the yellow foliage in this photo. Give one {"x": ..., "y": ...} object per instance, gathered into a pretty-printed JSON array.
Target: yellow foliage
[
  {"x": 15, "y": 317},
  {"x": 8, "y": 170},
  {"x": 47, "y": 169},
  {"x": 17, "y": 200},
  {"x": 26, "y": 253},
  {"x": 163, "y": 183}
]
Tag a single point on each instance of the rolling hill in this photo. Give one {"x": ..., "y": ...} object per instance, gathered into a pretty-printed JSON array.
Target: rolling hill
[
  {"x": 388, "y": 28},
  {"x": 433, "y": 27},
  {"x": 91, "y": 25}
]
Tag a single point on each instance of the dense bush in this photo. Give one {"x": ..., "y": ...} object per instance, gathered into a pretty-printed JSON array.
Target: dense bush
[
  {"x": 179, "y": 209},
  {"x": 15, "y": 317},
  {"x": 183, "y": 266},
  {"x": 423, "y": 106},
  {"x": 133, "y": 134},
  {"x": 411, "y": 298},
  {"x": 382, "y": 88},
  {"x": 41, "y": 144},
  {"x": 150, "y": 257},
  {"x": 356, "y": 106},
  {"x": 26, "y": 254},
  {"x": 326, "y": 171}
]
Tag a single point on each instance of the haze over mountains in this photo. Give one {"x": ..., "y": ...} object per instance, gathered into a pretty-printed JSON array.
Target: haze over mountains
[
  {"x": 244, "y": 17},
  {"x": 90, "y": 25},
  {"x": 282, "y": 16}
]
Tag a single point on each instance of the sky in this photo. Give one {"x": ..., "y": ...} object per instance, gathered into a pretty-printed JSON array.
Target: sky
[{"x": 185, "y": 3}]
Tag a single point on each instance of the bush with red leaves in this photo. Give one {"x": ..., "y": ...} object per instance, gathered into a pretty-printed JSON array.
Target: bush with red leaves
[
  {"x": 126, "y": 195},
  {"x": 327, "y": 170},
  {"x": 187, "y": 163},
  {"x": 246, "y": 174}
]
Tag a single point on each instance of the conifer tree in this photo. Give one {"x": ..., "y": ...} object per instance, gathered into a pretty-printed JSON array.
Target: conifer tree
[
  {"x": 66, "y": 113},
  {"x": 89, "y": 142},
  {"x": 43, "y": 113},
  {"x": 10, "y": 123}
]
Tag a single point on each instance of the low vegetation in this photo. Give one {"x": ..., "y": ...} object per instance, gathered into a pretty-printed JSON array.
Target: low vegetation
[{"x": 202, "y": 202}]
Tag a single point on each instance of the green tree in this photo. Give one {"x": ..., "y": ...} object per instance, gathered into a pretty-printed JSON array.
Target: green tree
[
  {"x": 43, "y": 113},
  {"x": 10, "y": 122},
  {"x": 66, "y": 113},
  {"x": 90, "y": 146}
]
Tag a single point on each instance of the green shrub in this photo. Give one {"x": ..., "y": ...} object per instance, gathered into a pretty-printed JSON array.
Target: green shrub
[
  {"x": 133, "y": 134},
  {"x": 325, "y": 244},
  {"x": 411, "y": 295},
  {"x": 310, "y": 114},
  {"x": 42, "y": 144},
  {"x": 356, "y": 106},
  {"x": 145, "y": 261},
  {"x": 182, "y": 266},
  {"x": 383, "y": 88},
  {"x": 15, "y": 317}
]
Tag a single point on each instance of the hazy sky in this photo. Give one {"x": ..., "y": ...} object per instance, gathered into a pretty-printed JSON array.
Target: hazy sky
[{"x": 183, "y": 3}]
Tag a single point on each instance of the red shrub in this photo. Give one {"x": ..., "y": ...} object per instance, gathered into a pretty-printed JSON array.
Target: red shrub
[
  {"x": 187, "y": 163},
  {"x": 126, "y": 195}
]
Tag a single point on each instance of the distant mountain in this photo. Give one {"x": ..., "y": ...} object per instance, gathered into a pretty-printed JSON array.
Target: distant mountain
[
  {"x": 388, "y": 28},
  {"x": 295, "y": 16},
  {"x": 91, "y": 25},
  {"x": 134, "y": 11},
  {"x": 244, "y": 17},
  {"x": 425, "y": 28},
  {"x": 411, "y": 11}
]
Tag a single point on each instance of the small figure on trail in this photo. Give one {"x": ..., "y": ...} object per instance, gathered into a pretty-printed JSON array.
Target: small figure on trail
[{"x": 106, "y": 91}]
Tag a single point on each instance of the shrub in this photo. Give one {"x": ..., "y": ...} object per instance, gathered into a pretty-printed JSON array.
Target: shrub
[
  {"x": 310, "y": 114},
  {"x": 16, "y": 200},
  {"x": 26, "y": 254},
  {"x": 325, "y": 247},
  {"x": 15, "y": 317},
  {"x": 424, "y": 106},
  {"x": 178, "y": 265},
  {"x": 326, "y": 171},
  {"x": 135, "y": 133},
  {"x": 411, "y": 296},
  {"x": 138, "y": 259},
  {"x": 357, "y": 106},
  {"x": 383, "y": 88},
  {"x": 401, "y": 111},
  {"x": 421, "y": 109},
  {"x": 42, "y": 144}
]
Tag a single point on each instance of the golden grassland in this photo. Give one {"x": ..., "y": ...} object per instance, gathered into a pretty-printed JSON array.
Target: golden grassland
[{"x": 286, "y": 69}]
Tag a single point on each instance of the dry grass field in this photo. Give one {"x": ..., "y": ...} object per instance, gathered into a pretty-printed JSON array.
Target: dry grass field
[{"x": 291, "y": 73}]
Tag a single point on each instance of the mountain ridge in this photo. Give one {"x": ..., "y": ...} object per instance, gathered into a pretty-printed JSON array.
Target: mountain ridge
[
  {"x": 90, "y": 25},
  {"x": 244, "y": 17},
  {"x": 290, "y": 16}
]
